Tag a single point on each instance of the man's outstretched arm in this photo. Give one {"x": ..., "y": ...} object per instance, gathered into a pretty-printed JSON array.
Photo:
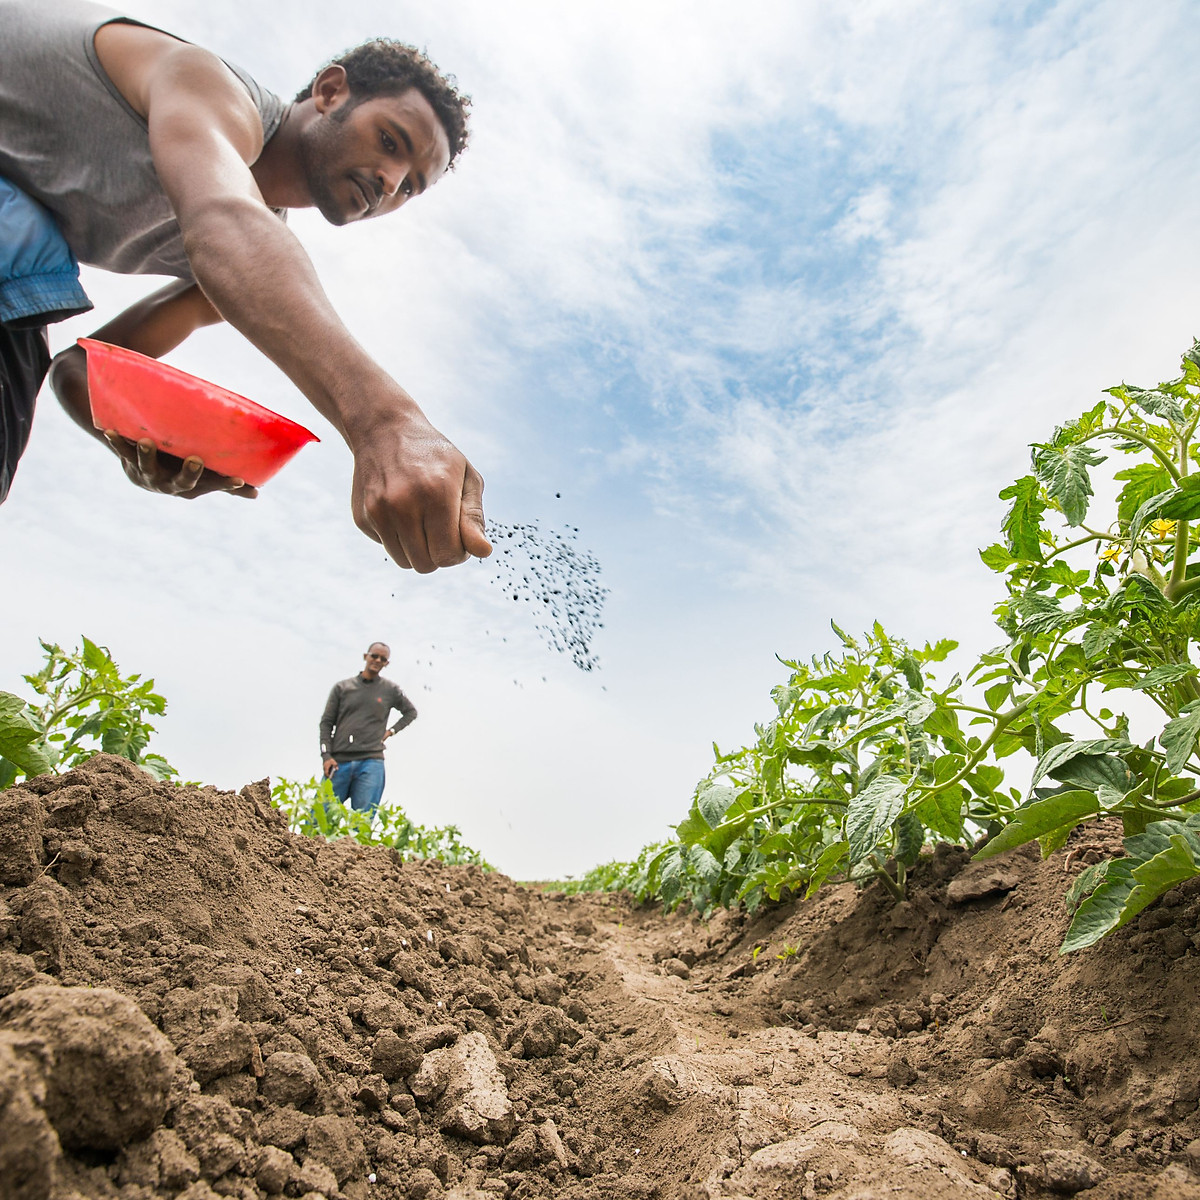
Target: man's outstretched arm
[{"x": 413, "y": 490}]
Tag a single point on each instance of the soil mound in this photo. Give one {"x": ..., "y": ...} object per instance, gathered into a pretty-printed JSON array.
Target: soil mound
[{"x": 196, "y": 1003}]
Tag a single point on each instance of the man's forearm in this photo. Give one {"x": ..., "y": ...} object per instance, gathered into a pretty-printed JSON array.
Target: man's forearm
[
  {"x": 68, "y": 381},
  {"x": 259, "y": 278},
  {"x": 408, "y": 713}
]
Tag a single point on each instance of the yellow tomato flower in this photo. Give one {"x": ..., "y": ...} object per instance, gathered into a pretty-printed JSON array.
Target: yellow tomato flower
[
  {"x": 1112, "y": 553},
  {"x": 1161, "y": 528}
]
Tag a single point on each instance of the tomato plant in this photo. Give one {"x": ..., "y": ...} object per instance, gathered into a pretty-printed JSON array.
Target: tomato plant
[
  {"x": 868, "y": 757},
  {"x": 84, "y": 704}
]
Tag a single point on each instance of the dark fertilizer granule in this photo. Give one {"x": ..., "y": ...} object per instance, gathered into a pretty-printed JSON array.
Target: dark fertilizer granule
[{"x": 548, "y": 571}]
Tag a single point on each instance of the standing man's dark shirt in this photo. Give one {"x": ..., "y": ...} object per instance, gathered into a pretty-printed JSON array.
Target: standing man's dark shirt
[{"x": 356, "y": 715}]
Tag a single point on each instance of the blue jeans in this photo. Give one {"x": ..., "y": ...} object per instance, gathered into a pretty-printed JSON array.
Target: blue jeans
[{"x": 359, "y": 783}]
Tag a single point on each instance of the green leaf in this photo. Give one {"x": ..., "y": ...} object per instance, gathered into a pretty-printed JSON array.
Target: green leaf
[
  {"x": 17, "y": 735},
  {"x": 833, "y": 717},
  {"x": 912, "y": 672},
  {"x": 321, "y": 816},
  {"x": 735, "y": 823},
  {"x": 1058, "y": 756},
  {"x": 670, "y": 867},
  {"x": 1063, "y": 469},
  {"x": 1106, "y": 775},
  {"x": 997, "y": 558},
  {"x": 1157, "y": 403},
  {"x": 1165, "y": 855},
  {"x": 912, "y": 708},
  {"x": 16, "y": 729},
  {"x": 1022, "y": 523},
  {"x": 1060, "y": 573},
  {"x": 1100, "y": 639},
  {"x": 158, "y": 767},
  {"x": 1142, "y": 482},
  {"x": 828, "y": 862},
  {"x": 871, "y": 814},
  {"x": 713, "y": 802},
  {"x": 938, "y": 651},
  {"x": 1100, "y": 913},
  {"x": 95, "y": 658},
  {"x": 1041, "y": 817},
  {"x": 1056, "y": 839},
  {"x": 693, "y": 829},
  {"x": 1148, "y": 510},
  {"x": 705, "y": 864},
  {"x": 846, "y": 639},
  {"x": 943, "y": 723},
  {"x": 1086, "y": 882},
  {"x": 943, "y": 813},
  {"x": 1178, "y": 739},
  {"x": 1137, "y": 820},
  {"x": 1043, "y": 614},
  {"x": 910, "y": 837},
  {"x": 1184, "y": 505},
  {"x": 1177, "y": 503},
  {"x": 1141, "y": 598},
  {"x": 1163, "y": 675}
]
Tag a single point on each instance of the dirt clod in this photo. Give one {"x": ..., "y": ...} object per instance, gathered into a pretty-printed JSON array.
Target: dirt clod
[
  {"x": 289, "y": 1078},
  {"x": 1068, "y": 1171},
  {"x": 29, "y": 1149},
  {"x": 108, "y": 1070},
  {"x": 22, "y": 820}
]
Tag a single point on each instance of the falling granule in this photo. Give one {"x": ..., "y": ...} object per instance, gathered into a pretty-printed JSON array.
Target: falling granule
[{"x": 545, "y": 569}]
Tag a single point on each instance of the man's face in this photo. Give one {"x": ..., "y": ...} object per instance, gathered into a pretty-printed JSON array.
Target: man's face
[
  {"x": 364, "y": 160},
  {"x": 375, "y": 660}
]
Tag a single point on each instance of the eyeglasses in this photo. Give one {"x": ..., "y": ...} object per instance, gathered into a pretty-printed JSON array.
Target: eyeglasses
[{"x": 382, "y": 657}]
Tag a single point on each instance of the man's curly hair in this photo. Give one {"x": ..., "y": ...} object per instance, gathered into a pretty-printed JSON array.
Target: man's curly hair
[{"x": 385, "y": 67}]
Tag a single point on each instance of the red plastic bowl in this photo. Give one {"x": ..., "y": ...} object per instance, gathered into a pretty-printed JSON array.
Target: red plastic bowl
[{"x": 181, "y": 414}]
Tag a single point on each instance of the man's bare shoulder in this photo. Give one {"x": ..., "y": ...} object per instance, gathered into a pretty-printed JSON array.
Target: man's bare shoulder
[{"x": 144, "y": 64}]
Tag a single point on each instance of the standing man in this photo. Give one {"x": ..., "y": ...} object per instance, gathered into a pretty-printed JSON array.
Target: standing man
[
  {"x": 154, "y": 156},
  {"x": 354, "y": 731}
]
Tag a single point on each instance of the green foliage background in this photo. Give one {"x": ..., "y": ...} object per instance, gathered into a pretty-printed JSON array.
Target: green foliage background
[{"x": 313, "y": 810}]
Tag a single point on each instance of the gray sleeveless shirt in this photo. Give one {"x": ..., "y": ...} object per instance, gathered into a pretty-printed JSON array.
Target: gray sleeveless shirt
[{"x": 69, "y": 139}]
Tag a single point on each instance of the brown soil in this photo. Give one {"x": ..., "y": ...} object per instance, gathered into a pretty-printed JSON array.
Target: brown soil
[{"x": 195, "y": 1002}]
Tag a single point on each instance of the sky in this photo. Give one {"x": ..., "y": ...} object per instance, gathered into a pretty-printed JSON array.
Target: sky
[{"x": 766, "y": 302}]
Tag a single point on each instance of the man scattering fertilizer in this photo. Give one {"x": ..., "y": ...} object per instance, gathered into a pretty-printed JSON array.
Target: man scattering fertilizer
[{"x": 154, "y": 156}]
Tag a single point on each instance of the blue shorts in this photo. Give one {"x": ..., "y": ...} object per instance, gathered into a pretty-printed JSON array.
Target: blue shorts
[{"x": 39, "y": 284}]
